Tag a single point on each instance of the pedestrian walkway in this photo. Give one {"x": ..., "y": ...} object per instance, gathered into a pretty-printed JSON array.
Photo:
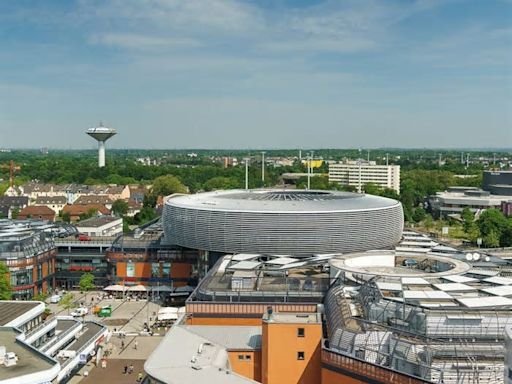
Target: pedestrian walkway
[{"x": 114, "y": 372}]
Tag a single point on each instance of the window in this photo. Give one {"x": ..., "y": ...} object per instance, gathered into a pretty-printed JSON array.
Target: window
[
  {"x": 301, "y": 332},
  {"x": 244, "y": 357},
  {"x": 300, "y": 355}
]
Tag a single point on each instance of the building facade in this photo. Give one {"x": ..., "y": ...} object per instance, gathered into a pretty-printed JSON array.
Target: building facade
[
  {"x": 29, "y": 254},
  {"x": 286, "y": 222},
  {"x": 357, "y": 174},
  {"x": 498, "y": 182}
]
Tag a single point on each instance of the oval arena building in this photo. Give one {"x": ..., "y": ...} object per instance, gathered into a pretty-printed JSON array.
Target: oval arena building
[{"x": 283, "y": 222}]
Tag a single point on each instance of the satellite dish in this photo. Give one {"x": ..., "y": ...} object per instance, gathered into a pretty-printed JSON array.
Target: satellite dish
[
  {"x": 469, "y": 256},
  {"x": 476, "y": 256},
  {"x": 487, "y": 258}
]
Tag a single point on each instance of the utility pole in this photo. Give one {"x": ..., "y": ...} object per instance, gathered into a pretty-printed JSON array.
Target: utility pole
[
  {"x": 359, "y": 189},
  {"x": 12, "y": 169},
  {"x": 309, "y": 169},
  {"x": 311, "y": 161},
  {"x": 246, "y": 173},
  {"x": 263, "y": 167}
]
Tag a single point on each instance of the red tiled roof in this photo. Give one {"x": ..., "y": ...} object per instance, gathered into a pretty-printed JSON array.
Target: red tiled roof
[
  {"x": 78, "y": 209},
  {"x": 36, "y": 210}
]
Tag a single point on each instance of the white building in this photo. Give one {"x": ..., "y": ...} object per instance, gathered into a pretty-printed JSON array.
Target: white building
[
  {"x": 355, "y": 174},
  {"x": 101, "y": 226},
  {"x": 34, "y": 351},
  {"x": 455, "y": 199}
]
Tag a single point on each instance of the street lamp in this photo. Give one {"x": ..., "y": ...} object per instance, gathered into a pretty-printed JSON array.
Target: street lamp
[{"x": 263, "y": 167}]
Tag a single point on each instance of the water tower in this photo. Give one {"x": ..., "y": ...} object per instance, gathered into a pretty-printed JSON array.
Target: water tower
[{"x": 101, "y": 134}]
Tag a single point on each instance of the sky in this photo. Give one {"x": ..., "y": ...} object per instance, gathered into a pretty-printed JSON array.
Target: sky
[{"x": 257, "y": 73}]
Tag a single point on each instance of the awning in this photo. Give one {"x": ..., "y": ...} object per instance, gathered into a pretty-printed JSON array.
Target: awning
[{"x": 116, "y": 287}]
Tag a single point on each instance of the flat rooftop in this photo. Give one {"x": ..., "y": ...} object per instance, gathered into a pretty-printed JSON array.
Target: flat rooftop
[
  {"x": 30, "y": 360},
  {"x": 176, "y": 360},
  {"x": 11, "y": 310},
  {"x": 281, "y": 200},
  {"x": 233, "y": 338},
  {"x": 96, "y": 222},
  {"x": 293, "y": 318}
]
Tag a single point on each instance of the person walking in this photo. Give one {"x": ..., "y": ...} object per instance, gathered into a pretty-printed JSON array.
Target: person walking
[
  {"x": 130, "y": 369},
  {"x": 122, "y": 344},
  {"x": 125, "y": 370},
  {"x": 135, "y": 345},
  {"x": 139, "y": 378}
]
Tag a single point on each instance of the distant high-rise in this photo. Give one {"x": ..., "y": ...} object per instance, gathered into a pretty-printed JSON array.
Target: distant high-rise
[
  {"x": 101, "y": 134},
  {"x": 359, "y": 173}
]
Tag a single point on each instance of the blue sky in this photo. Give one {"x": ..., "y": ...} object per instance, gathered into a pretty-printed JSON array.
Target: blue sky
[{"x": 257, "y": 74}]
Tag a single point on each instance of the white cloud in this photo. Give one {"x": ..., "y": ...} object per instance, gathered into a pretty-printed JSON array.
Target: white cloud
[{"x": 136, "y": 41}]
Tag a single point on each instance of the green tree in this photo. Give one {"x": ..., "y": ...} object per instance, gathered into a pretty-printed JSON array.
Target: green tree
[
  {"x": 67, "y": 302},
  {"x": 146, "y": 214},
  {"x": 167, "y": 185},
  {"x": 119, "y": 207},
  {"x": 15, "y": 213},
  {"x": 468, "y": 218},
  {"x": 5, "y": 283},
  {"x": 419, "y": 214},
  {"x": 220, "y": 182},
  {"x": 91, "y": 212},
  {"x": 372, "y": 189},
  {"x": 506, "y": 235},
  {"x": 491, "y": 239},
  {"x": 86, "y": 282},
  {"x": 428, "y": 222},
  {"x": 492, "y": 224},
  {"x": 66, "y": 217}
]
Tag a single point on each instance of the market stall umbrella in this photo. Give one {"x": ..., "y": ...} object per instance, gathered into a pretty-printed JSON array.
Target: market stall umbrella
[
  {"x": 116, "y": 288},
  {"x": 138, "y": 288}
]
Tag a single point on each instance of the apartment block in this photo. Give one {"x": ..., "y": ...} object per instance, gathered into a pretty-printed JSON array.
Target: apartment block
[{"x": 355, "y": 173}]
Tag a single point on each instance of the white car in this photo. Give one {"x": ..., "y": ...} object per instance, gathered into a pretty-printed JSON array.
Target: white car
[
  {"x": 55, "y": 299},
  {"x": 82, "y": 311}
]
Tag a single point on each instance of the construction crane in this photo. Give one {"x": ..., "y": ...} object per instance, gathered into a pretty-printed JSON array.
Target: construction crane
[{"x": 12, "y": 168}]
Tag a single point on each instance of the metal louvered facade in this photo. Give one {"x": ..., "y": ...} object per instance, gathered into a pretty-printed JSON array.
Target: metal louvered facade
[{"x": 284, "y": 229}]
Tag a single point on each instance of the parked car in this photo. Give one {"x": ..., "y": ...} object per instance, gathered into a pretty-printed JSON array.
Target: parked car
[
  {"x": 55, "y": 299},
  {"x": 83, "y": 237},
  {"x": 79, "y": 312}
]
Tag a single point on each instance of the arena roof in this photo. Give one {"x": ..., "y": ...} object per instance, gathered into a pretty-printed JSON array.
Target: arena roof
[{"x": 275, "y": 200}]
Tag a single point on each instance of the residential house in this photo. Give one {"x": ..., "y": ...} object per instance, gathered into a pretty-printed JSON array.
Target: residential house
[
  {"x": 56, "y": 203},
  {"x": 8, "y": 204},
  {"x": 94, "y": 199},
  {"x": 75, "y": 210},
  {"x": 41, "y": 212}
]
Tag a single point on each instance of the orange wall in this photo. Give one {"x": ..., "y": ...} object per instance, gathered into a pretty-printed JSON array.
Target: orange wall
[
  {"x": 143, "y": 269},
  {"x": 279, "y": 354},
  {"x": 330, "y": 377},
  {"x": 247, "y": 368},
  {"x": 223, "y": 321},
  {"x": 181, "y": 270}
]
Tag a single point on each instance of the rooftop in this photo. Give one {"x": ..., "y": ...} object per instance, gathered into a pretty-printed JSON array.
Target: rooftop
[
  {"x": 293, "y": 318},
  {"x": 97, "y": 221},
  {"x": 196, "y": 360},
  {"x": 11, "y": 310},
  {"x": 272, "y": 200},
  {"x": 30, "y": 360},
  {"x": 233, "y": 338}
]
